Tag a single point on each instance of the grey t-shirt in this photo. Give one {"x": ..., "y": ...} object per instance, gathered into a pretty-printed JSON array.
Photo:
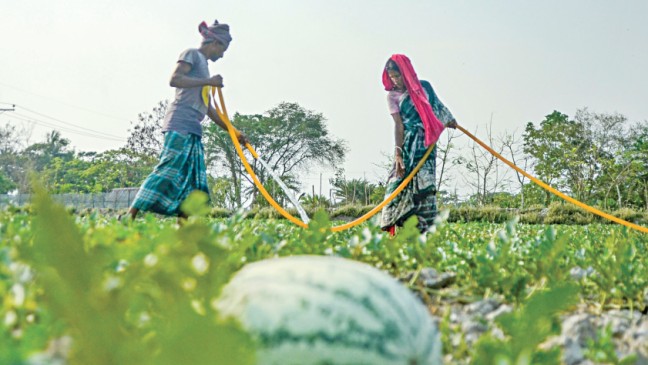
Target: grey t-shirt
[{"x": 188, "y": 109}]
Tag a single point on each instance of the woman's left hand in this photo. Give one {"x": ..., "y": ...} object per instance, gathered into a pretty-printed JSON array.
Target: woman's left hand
[
  {"x": 400, "y": 166},
  {"x": 452, "y": 124}
]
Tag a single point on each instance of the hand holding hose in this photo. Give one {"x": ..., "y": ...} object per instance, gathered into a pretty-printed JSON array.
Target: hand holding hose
[{"x": 242, "y": 139}]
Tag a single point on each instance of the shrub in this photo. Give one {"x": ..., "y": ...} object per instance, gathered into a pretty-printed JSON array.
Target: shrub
[
  {"x": 218, "y": 212},
  {"x": 562, "y": 213},
  {"x": 481, "y": 214},
  {"x": 352, "y": 211},
  {"x": 631, "y": 215}
]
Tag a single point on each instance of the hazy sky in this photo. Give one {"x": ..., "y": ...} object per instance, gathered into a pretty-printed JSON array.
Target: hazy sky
[{"x": 97, "y": 64}]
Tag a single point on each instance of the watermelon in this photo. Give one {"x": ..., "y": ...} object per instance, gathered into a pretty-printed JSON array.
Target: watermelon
[{"x": 326, "y": 310}]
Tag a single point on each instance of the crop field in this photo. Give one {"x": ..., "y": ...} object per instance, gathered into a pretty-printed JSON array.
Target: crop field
[{"x": 93, "y": 290}]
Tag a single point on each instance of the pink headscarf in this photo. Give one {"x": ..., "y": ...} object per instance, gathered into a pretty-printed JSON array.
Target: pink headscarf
[{"x": 432, "y": 125}]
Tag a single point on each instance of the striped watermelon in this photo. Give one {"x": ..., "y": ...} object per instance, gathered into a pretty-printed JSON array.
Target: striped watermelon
[{"x": 325, "y": 310}]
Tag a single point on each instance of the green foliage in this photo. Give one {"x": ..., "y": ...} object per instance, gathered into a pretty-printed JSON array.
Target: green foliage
[
  {"x": 196, "y": 204},
  {"x": 96, "y": 173},
  {"x": 601, "y": 349},
  {"x": 6, "y": 185},
  {"x": 566, "y": 213},
  {"x": 630, "y": 215},
  {"x": 491, "y": 214},
  {"x": 526, "y": 328},
  {"x": 217, "y": 212},
  {"x": 619, "y": 260},
  {"x": 597, "y": 157},
  {"x": 150, "y": 283},
  {"x": 353, "y": 211},
  {"x": 288, "y": 137},
  {"x": 356, "y": 191},
  {"x": 151, "y": 309}
]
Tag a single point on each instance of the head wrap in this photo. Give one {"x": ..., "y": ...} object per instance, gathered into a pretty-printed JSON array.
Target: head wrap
[
  {"x": 215, "y": 32},
  {"x": 432, "y": 125}
]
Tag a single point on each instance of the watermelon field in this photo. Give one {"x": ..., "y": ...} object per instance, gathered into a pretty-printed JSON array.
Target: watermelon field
[{"x": 89, "y": 289}]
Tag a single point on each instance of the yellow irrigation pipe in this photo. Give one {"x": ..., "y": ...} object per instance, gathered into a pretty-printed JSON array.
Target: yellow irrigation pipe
[
  {"x": 234, "y": 136},
  {"x": 391, "y": 196},
  {"x": 554, "y": 191}
]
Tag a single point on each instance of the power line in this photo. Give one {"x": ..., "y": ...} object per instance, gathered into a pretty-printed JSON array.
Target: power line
[
  {"x": 62, "y": 102},
  {"x": 13, "y": 108},
  {"x": 68, "y": 123},
  {"x": 29, "y": 119}
]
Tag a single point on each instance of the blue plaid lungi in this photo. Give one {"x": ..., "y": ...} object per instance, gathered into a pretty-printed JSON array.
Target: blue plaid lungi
[{"x": 180, "y": 171}]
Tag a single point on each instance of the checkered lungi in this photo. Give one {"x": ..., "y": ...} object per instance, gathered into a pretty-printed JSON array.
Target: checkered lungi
[{"x": 180, "y": 171}]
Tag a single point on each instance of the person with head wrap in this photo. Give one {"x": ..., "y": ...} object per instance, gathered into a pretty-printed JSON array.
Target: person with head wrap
[
  {"x": 419, "y": 117},
  {"x": 181, "y": 169}
]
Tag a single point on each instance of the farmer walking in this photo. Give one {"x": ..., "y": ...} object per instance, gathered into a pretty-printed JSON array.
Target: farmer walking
[
  {"x": 181, "y": 169},
  {"x": 419, "y": 118}
]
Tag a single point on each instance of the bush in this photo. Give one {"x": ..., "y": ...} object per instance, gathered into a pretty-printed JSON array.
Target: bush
[
  {"x": 534, "y": 214},
  {"x": 218, "y": 212},
  {"x": 562, "y": 213},
  {"x": 490, "y": 214},
  {"x": 264, "y": 213},
  {"x": 350, "y": 211},
  {"x": 631, "y": 215}
]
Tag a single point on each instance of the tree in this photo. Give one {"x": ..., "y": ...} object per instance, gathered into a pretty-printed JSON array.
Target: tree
[
  {"x": 516, "y": 152},
  {"x": 356, "y": 191},
  {"x": 288, "y": 137},
  {"x": 275, "y": 190},
  {"x": 91, "y": 172},
  {"x": 146, "y": 137},
  {"x": 6, "y": 185},
  {"x": 553, "y": 144},
  {"x": 485, "y": 168},
  {"x": 55, "y": 146},
  {"x": 588, "y": 156},
  {"x": 220, "y": 189},
  {"x": 637, "y": 156},
  {"x": 38, "y": 157},
  {"x": 13, "y": 162},
  {"x": 445, "y": 162}
]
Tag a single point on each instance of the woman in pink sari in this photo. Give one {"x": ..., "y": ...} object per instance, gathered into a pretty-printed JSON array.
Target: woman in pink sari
[{"x": 419, "y": 118}]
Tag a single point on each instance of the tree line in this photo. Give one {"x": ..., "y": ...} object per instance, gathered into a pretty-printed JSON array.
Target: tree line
[{"x": 598, "y": 158}]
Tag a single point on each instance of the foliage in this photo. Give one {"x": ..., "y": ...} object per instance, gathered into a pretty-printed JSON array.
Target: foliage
[
  {"x": 145, "y": 302},
  {"x": 12, "y": 161},
  {"x": 486, "y": 213},
  {"x": 602, "y": 349},
  {"x": 288, "y": 138},
  {"x": 356, "y": 191},
  {"x": 6, "y": 185},
  {"x": 597, "y": 158},
  {"x": 96, "y": 173},
  {"x": 619, "y": 276},
  {"x": 146, "y": 137},
  {"x": 145, "y": 287},
  {"x": 526, "y": 328}
]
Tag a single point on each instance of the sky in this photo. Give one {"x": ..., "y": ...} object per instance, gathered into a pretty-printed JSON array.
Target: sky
[{"x": 88, "y": 68}]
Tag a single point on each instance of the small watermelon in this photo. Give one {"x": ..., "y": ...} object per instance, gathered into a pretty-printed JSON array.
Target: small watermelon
[{"x": 307, "y": 310}]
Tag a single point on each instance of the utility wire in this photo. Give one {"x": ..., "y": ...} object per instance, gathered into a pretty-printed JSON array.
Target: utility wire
[
  {"x": 30, "y": 119},
  {"x": 62, "y": 102},
  {"x": 68, "y": 123}
]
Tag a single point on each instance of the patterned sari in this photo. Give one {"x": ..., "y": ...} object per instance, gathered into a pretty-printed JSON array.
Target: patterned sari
[{"x": 419, "y": 196}]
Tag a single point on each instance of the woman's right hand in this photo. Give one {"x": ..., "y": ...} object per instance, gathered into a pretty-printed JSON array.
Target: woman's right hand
[{"x": 400, "y": 166}]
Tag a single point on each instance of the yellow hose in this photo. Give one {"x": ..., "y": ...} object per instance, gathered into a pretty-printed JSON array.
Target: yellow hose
[
  {"x": 234, "y": 136},
  {"x": 554, "y": 191}
]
